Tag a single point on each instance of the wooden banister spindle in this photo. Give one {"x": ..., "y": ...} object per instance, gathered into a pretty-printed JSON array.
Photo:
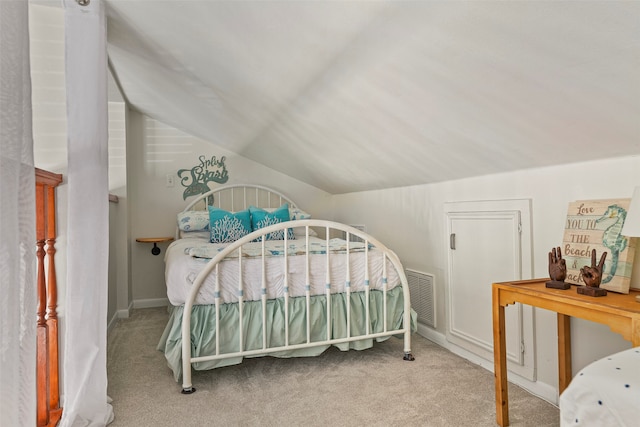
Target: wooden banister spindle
[
  {"x": 42, "y": 335},
  {"x": 55, "y": 412},
  {"x": 40, "y": 254},
  {"x": 48, "y": 412}
]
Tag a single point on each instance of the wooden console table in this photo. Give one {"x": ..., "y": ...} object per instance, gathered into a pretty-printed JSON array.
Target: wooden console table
[{"x": 619, "y": 311}]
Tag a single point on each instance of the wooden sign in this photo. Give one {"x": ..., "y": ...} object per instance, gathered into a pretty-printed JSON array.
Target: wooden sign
[
  {"x": 596, "y": 224},
  {"x": 197, "y": 178}
]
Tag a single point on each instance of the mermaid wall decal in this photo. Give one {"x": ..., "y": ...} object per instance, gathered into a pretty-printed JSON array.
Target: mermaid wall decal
[{"x": 612, "y": 239}]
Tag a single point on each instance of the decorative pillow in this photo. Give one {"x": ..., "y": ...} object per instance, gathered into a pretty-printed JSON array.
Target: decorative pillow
[
  {"x": 294, "y": 213},
  {"x": 301, "y": 232},
  {"x": 205, "y": 234},
  {"x": 228, "y": 226},
  {"x": 261, "y": 218},
  {"x": 297, "y": 213},
  {"x": 193, "y": 220}
]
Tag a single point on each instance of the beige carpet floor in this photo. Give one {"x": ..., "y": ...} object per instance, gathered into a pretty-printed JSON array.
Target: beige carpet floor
[{"x": 374, "y": 387}]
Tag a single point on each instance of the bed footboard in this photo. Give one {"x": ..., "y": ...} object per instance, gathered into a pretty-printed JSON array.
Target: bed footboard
[{"x": 348, "y": 316}]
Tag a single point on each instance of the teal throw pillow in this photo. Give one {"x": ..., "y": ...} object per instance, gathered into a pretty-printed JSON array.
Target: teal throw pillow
[
  {"x": 227, "y": 226},
  {"x": 261, "y": 218}
]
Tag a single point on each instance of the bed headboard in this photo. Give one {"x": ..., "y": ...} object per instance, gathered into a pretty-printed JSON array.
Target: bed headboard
[
  {"x": 238, "y": 197},
  {"x": 232, "y": 198}
]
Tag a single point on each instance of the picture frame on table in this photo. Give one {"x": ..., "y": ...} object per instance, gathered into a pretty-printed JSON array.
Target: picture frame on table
[{"x": 597, "y": 224}]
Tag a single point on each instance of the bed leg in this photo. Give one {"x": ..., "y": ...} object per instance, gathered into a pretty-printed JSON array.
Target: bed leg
[
  {"x": 408, "y": 356},
  {"x": 189, "y": 390}
]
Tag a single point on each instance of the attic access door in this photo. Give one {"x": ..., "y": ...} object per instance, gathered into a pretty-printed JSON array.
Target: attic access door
[{"x": 489, "y": 241}]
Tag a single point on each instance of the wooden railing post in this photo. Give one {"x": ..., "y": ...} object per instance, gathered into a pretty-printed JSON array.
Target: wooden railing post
[
  {"x": 42, "y": 344},
  {"x": 47, "y": 372}
]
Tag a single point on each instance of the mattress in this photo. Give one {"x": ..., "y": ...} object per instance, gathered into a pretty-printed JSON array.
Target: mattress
[
  {"x": 604, "y": 393},
  {"x": 185, "y": 258}
]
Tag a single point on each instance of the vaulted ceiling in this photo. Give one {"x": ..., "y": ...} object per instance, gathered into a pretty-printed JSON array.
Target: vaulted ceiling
[{"x": 359, "y": 95}]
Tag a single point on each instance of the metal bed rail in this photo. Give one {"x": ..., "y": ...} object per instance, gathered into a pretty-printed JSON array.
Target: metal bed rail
[{"x": 330, "y": 229}]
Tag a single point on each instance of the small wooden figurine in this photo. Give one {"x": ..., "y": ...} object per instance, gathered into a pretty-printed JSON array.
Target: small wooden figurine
[
  {"x": 592, "y": 277},
  {"x": 557, "y": 270}
]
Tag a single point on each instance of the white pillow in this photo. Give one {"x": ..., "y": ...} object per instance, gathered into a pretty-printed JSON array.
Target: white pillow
[
  {"x": 206, "y": 235},
  {"x": 193, "y": 220},
  {"x": 300, "y": 232},
  {"x": 297, "y": 213}
]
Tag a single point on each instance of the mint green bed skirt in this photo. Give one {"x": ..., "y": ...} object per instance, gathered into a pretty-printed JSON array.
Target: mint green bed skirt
[{"x": 203, "y": 330}]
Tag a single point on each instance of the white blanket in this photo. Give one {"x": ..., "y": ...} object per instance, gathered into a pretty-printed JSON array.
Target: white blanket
[
  {"x": 604, "y": 393},
  {"x": 184, "y": 261},
  {"x": 277, "y": 248}
]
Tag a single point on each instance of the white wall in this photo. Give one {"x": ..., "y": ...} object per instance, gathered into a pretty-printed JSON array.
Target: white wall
[
  {"x": 411, "y": 221},
  {"x": 155, "y": 150}
]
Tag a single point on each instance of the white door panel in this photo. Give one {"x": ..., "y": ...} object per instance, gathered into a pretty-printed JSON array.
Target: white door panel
[{"x": 486, "y": 246}]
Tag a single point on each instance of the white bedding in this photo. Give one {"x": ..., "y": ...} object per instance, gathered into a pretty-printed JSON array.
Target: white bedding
[
  {"x": 182, "y": 269},
  {"x": 604, "y": 393}
]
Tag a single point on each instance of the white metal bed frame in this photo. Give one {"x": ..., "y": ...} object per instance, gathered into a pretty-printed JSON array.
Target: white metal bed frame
[{"x": 330, "y": 229}]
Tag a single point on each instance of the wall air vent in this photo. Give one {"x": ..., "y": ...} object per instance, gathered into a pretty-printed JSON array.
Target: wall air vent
[{"x": 422, "y": 288}]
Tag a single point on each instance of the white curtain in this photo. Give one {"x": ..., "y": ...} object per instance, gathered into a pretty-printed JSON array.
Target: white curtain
[
  {"x": 85, "y": 365},
  {"x": 17, "y": 222}
]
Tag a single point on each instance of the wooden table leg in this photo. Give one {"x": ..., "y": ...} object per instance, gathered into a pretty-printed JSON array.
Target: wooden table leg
[
  {"x": 500, "y": 361},
  {"x": 564, "y": 352},
  {"x": 635, "y": 332}
]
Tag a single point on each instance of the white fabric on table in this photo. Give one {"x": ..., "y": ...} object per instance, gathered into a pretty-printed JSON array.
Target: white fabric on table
[{"x": 604, "y": 393}]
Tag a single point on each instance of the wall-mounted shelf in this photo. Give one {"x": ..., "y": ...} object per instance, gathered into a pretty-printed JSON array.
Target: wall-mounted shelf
[{"x": 155, "y": 240}]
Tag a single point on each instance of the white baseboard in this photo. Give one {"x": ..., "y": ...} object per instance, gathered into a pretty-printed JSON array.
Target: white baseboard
[
  {"x": 119, "y": 314},
  {"x": 112, "y": 322},
  {"x": 126, "y": 313},
  {"x": 150, "y": 303},
  {"x": 537, "y": 388}
]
